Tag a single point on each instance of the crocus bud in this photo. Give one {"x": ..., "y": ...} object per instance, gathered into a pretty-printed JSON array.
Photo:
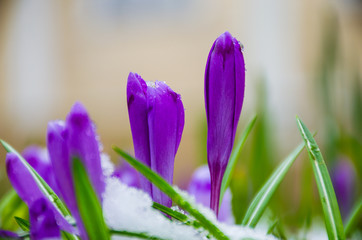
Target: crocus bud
[
  {"x": 224, "y": 94},
  {"x": 42, "y": 221},
  {"x": 27, "y": 189},
  {"x": 156, "y": 117},
  {"x": 127, "y": 175},
  {"x": 344, "y": 179},
  {"x": 75, "y": 138},
  {"x": 200, "y": 188}
]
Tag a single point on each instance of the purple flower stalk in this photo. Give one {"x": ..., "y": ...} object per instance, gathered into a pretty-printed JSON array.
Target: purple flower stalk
[
  {"x": 224, "y": 94},
  {"x": 76, "y": 137},
  {"x": 156, "y": 117},
  {"x": 200, "y": 188}
]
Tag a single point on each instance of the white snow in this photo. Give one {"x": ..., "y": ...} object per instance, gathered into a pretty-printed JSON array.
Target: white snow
[
  {"x": 107, "y": 165},
  {"x": 130, "y": 209}
]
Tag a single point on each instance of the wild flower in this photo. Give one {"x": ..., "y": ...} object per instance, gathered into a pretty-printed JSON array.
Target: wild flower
[{"x": 224, "y": 95}]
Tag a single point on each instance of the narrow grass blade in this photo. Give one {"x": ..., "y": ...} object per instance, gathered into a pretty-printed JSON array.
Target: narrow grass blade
[
  {"x": 353, "y": 218},
  {"x": 173, "y": 193},
  {"x": 332, "y": 216},
  {"x": 88, "y": 204},
  {"x": 277, "y": 230},
  {"x": 176, "y": 215},
  {"x": 134, "y": 235},
  {"x": 43, "y": 186},
  {"x": 172, "y": 213},
  {"x": 235, "y": 155},
  {"x": 262, "y": 198},
  {"x": 23, "y": 224}
]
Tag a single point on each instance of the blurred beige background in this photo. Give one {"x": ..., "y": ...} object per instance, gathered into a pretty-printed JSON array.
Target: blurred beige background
[{"x": 53, "y": 53}]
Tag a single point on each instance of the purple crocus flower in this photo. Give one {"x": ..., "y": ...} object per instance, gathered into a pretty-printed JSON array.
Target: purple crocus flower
[
  {"x": 127, "y": 175},
  {"x": 343, "y": 179},
  {"x": 157, "y": 119},
  {"x": 224, "y": 94},
  {"x": 75, "y": 138},
  {"x": 27, "y": 189},
  {"x": 200, "y": 188},
  {"x": 42, "y": 221}
]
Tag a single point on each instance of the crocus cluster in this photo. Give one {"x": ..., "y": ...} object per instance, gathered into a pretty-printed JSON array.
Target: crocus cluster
[
  {"x": 156, "y": 115},
  {"x": 74, "y": 138}
]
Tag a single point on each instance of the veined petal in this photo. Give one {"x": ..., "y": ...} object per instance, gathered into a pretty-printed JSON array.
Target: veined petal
[
  {"x": 137, "y": 111},
  {"x": 239, "y": 82}
]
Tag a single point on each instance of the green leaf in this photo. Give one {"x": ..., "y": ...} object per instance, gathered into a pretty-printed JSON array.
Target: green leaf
[
  {"x": 332, "y": 216},
  {"x": 176, "y": 215},
  {"x": 23, "y": 224},
  {"x": 43, "y": 186},
  {"x": 235, "y": 155},
  {"x": 11, "y": 205},
  {"x": 354, "y": 217},
  {"x": 134, "y": 234},
  {"x": 173, "y": 193},
  {"x": 262, "y": 198},
  {"x": 172, "y": 213},
  {"x": 277, "y": 230},
  {"x": 88, "y": 205}
]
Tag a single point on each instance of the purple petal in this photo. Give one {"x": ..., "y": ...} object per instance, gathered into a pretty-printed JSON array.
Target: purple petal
[
  {"x": 200, "y": 188},
  {"x": 224, "y": 93},
  {"x": 165, "y": 121},
  {"x": 76, "y": 139},
  {"x": 26, "y": 187},
  {"x": 127, "y": 175},
  {"x": 344, "y": 179},
  {"x": 137, "y": 111},
  {"x": 39, "y": 159},
  {"x": 157, "y": 119},
  {"x": 82, "y": 143},
  {"x": 21, "y": 179},
  {"x": 42, "y": 221},
  {"x": 4, "y": 234},
  {"x": 59, "y": 155}
]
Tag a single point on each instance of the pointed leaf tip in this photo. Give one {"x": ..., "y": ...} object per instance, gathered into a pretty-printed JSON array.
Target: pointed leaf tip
[{"x": 332, "y": 216}]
